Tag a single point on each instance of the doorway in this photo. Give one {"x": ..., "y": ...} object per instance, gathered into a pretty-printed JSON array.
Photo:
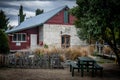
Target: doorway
[{"x": 33, "y": 40}]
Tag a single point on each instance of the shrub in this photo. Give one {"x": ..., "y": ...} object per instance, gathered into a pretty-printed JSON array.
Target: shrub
[{"x": 45, "y": 46}]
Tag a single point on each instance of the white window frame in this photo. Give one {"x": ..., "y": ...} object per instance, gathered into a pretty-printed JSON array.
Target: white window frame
[{"x": 20, "y": 38}]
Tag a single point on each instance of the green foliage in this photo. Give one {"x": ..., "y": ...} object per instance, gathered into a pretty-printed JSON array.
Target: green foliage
[
  {"x": 3, "y": 21},
  {"x": 39, "y": 11},
  {"x": 21, "y": 15},
  {"x": 45, "y": 46},
  {"x": 4, "y": 45},
  {"x": 98, "y": 19}
]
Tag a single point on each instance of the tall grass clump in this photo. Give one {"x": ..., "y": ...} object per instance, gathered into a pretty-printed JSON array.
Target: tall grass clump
[
  {"x": 66, "y": 53},
  {"x": 18, "y": 54},
  {"x": 91, "y": 49},
  {"x": 106, "y": 50},
  {"x": 39, "y": 51},
  {"x": 75, "y": 53}
]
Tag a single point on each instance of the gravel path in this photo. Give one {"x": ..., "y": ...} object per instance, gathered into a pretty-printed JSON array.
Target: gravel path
[{"x": 111, "y": 72}]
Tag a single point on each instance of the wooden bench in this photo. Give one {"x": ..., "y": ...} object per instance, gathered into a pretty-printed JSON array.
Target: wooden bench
[
  {"x": 98, "y": 67},
  {"x": 73, "y": 66}
]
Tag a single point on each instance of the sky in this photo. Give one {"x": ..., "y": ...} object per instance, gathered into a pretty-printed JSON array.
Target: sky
[{"x": 11, "y": 7}]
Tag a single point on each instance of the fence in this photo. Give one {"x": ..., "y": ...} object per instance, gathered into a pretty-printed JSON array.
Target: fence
[{"x": 31, "y": 61}]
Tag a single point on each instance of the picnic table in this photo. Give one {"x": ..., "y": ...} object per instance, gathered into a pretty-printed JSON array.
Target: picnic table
[{"x": 86, "y": 63}]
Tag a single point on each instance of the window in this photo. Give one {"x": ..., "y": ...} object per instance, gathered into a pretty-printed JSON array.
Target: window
[
  {"x": 65, "y": 41},
  {"x": 66, "y": 16},
  {"x": 19, "y": 37}
]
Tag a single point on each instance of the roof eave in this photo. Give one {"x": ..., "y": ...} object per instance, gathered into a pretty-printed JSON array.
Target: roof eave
[{"x": 9, "y": 32}]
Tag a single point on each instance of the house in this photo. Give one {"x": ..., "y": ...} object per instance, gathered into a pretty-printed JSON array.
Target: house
[{"x": 53, "y": 28}]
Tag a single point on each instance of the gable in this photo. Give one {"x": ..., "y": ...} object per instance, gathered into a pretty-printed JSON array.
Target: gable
[{"x": 61, "y": 18}]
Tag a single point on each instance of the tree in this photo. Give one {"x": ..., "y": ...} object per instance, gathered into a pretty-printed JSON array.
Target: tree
[
  {"x": 99, "y": 19},
  {"x": 4, "y": 45},
  {"x": 38, "y": 11},
  {"x": 3, "y": 21},
  {"x": 21, "y": 15}
]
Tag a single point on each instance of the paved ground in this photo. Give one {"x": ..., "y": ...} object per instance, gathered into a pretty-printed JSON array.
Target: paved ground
[{"x": 111, "y": 72}]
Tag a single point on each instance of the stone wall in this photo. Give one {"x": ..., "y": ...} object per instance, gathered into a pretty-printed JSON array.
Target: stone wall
[{"x": 52, "y": 35}]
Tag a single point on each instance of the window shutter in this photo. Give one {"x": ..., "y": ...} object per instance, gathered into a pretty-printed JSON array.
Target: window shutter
[{"x": 66, "y": 16}]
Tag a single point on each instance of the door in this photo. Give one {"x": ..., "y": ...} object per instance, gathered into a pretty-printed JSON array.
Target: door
[
  {"x": 33, "y": 40},
  {"x": 65, "y": 41}
]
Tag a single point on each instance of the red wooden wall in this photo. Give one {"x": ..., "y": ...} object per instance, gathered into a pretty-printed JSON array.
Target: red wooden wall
[
  {"x": 26, "y": 44},
  {"x": 59, "y": 19}
]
